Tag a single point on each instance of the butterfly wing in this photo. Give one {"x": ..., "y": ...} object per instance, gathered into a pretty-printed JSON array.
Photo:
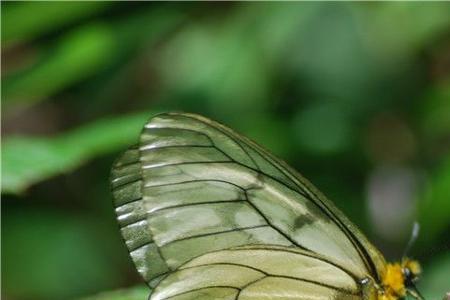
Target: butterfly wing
[
  {"x": 258, "y": 272},
  {"x": 193, "y": 186},
  {"x": 126, "y": 184}
]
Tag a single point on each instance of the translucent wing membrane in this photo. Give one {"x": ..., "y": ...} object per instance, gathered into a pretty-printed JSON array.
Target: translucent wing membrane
[
  {"x": 193, "y": 187},
  {"x": 132, "y": 217},
  {"x": 258, "y": 272}
]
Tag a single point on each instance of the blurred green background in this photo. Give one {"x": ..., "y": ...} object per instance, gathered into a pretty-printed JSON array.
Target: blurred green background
[{"x": 356, "y": 96}]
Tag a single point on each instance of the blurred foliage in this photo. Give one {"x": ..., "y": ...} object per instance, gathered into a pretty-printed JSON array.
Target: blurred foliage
[
  {"x": 354, "y": 95},
  {"x": 437, "y": 277},
  {"x": 137, "y": 293},
  {"x": 54, "y": 234},
  {"x": 27, "y": 160},
  {"x": 31, "y": 23}
]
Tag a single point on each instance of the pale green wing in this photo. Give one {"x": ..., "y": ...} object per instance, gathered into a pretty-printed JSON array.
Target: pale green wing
[
  {"x": 195, "y": 186},
  {"x": 257, "y": 273},
  {"x": 126, "y": 184}
]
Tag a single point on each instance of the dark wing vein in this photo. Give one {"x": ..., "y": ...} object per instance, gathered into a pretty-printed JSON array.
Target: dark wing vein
[
  {"x": 300, "y": 184},
  {"x": 266, "y": 274},
  {"x": 304, "y": 188}
]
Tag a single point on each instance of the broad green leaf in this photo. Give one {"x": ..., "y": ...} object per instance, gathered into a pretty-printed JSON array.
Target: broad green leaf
[
  {"x": 78, "y": 55},
  {"x": 135, "y": 293},
  {"x": 27, "y": 160},
  {"x": 27, "y": 20},
  {"x": 86, "y": 51}
]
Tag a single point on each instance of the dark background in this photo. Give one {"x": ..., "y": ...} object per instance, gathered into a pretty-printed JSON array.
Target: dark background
[{"x": 356, "y": 96}]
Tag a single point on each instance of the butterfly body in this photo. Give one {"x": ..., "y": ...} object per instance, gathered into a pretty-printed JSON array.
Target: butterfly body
[{"x": 208, "y": 214}]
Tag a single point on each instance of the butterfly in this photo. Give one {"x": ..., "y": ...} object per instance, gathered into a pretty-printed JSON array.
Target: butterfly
[{"x": 207, "y": 213}]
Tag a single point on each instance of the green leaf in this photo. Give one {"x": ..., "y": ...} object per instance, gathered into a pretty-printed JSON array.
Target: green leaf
[
  {"x": 22, "y": 21},
  {"x": 135, "y": 293},
  {"x": 78, "y": 55},
  {"x": 27, "y": 160},
  {"x": 84, "y": 52}
]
